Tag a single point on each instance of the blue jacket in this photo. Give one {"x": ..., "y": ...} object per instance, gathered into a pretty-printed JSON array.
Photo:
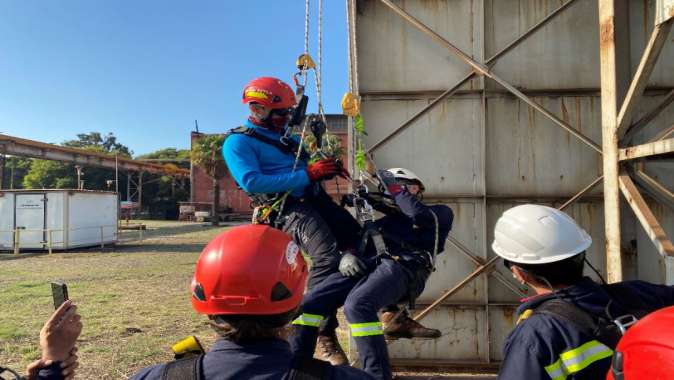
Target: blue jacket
[
  {"x": 547, "y": 347},
  {"x": 260, "y": 168},
  {"x": 264, "y": 360},
  {"x": 415, "y": 224}
]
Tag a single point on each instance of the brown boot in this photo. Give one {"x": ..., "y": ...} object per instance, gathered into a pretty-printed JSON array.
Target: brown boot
[
  {"x": 330, "y": 350},
  {"x": 405, "y": 327}
]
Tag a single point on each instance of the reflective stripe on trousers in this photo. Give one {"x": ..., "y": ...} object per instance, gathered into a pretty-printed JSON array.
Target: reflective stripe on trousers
[
  {"x": 306, "y": 319},
  {"x": 366, "y": 329},
  {"x": 575, "y": 360}
]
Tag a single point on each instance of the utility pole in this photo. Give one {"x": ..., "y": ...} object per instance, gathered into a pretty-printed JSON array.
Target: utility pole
[
  {"x": 3, "y": 158},
  {"x": 79, "y": 177}
]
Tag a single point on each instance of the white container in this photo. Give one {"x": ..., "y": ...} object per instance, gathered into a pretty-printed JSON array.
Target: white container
[{"x": 63, "y": 218}]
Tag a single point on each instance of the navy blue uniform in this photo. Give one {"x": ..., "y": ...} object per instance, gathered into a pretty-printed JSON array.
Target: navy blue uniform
[
  {"x": 263, "y": 360},
  {"x": 317, "y": 224},
  {"x": 389, "y": 281},
  {"x": 545, "y": 346}
]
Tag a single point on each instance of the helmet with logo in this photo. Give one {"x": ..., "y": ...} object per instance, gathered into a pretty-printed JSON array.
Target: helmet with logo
[
  {"x": 249, "y": 270},
  {"x": 272, "y": 93}
]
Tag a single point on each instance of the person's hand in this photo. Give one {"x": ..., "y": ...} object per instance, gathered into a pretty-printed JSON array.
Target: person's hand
[
  {"x": 58, "y": 336},
  {"x": 67, "y": 367},
  {"x": 326, "y": 168},
  {"x": 351, "y": 266}
]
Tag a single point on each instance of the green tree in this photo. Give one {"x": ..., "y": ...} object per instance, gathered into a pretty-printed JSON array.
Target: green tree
[
  {"x": 45, "y": 174},
  {"x": 162, "y": 193},
  {"x": 207, "y": 153},
  {"x": 168, "y": 154},
  {"x": 15, "y": 169},
  {"x": 100, "y": 143}
]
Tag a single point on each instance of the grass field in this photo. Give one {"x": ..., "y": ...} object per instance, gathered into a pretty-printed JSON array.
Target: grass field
[{"x": 134, "y": 300}]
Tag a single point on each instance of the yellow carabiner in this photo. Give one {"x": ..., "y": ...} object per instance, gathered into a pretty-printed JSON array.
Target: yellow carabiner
[
  {"x": 305, "y": 62},
  {"x": 350, "y": 105}
]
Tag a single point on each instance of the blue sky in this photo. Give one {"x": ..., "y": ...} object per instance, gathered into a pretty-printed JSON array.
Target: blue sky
[{"x": 145, "y": 70}]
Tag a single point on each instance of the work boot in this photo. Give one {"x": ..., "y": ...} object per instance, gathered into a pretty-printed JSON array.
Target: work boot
[
  {"x": 330, "y": 350},
  {"x": 405, "y": 327}
]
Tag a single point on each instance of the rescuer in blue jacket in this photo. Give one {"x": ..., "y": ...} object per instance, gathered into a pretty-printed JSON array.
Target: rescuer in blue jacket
[
  {"x": 265, "y": 164},
  {"x": 249, "y": 280},
  {"x": 570, "y": 328},
  {"x": 399, "y": 253}
]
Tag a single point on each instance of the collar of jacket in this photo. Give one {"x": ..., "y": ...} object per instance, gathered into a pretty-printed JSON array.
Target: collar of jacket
[{"x": 584, "y": 289}]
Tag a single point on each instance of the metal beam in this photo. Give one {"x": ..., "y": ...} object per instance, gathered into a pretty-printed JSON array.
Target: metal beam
[
  {"x": 646, "y": 66},
  {"x": 478, "y": 271},
  {"x": 468, "y": 77},
  {"x": 29, "y": 148},
  {"x": 664, "y": 133},
  {"x": 648, "y": 117},
  {"x": 664, "y": 11},
  {"x": 645, "y": 216},
  {"x": 581, "y": 193},
  {"x": 478, "y": 261},
  {"x": 654, "y": 187},
  {"x": 609, "y": 108},
  {"x": 648, "y": 149},
  {"x": 484, "y": 70}
]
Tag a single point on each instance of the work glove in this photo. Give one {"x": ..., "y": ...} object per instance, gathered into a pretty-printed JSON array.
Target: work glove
[
  {"x": 351, "y": 266},
  {"x": 326, "y": 168}
]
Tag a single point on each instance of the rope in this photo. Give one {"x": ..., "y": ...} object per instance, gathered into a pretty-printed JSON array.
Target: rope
[
  {"x": 355, "y": 89},
  {"x": 348, "y": 48},
  {"x": 306, "y": 27}
]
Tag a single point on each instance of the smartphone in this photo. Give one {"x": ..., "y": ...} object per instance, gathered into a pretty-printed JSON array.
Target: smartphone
[{"x": 59, "y": 291}]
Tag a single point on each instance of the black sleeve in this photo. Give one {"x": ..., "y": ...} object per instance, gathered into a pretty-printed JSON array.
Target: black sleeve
[
  {"x": 343, "y": 225},
  {"x": 422, "y": 215},
  {"x": 53, "y": 372}
]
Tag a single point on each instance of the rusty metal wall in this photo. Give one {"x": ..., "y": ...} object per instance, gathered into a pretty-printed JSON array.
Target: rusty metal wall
[{"x": 483, "y": 151}]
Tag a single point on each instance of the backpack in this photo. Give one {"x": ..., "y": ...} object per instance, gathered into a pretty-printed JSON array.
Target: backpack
[
  {"x": 191, "y": 368},
  {"x": 604, "y": 328}
]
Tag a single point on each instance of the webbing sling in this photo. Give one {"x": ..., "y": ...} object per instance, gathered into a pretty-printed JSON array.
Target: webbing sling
[
  {"x": 190, "y": 368},
  {"x": 286, "y": 145}
]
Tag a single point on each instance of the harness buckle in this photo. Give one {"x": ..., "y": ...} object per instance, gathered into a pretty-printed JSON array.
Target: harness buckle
[{"x": 624, "y": 322}]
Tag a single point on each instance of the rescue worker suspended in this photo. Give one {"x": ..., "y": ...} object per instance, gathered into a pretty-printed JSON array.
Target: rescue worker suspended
[{"x": 397, "y": 258}]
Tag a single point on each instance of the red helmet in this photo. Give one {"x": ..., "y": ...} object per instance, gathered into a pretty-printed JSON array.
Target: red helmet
[
  {"x": 270, "y": 92},
  {"x": 251, "y": 269},
  {"x": 646, "y": 351}
]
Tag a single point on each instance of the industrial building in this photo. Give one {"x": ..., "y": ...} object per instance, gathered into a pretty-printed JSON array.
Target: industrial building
[{"x": 500, "y": 102}]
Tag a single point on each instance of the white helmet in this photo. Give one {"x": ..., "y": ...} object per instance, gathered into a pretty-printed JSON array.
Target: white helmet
[
  {"x": 406, "y": 175},
  {"x": 535, "y": 234}
]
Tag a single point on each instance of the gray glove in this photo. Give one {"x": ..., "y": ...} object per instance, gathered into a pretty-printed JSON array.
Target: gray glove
[{"x": 351, "y": 266}]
